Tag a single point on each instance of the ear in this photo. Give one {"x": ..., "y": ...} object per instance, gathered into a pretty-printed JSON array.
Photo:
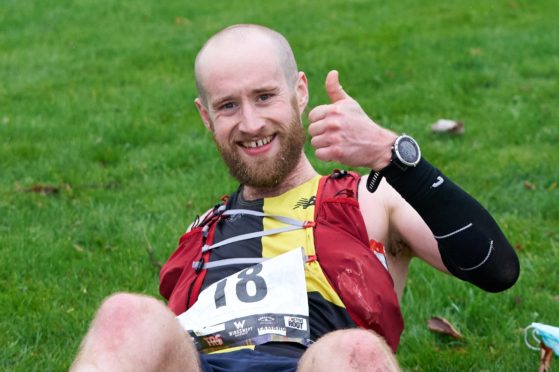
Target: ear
[
  {"x": 302, "y": 91},
  {"x": 204, "y": 114}
]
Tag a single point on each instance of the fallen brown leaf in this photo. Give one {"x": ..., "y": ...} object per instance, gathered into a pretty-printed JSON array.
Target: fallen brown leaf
[
  {"x": 545, "y": 358},
  {"x": 151, "y": 255},
  {"x": 181, "y": 21},
  {"x": 529, "y": 185},
  {"x": 476, "y": 51},
  {"x": 43, "y": 189},
  {"x": 448, "y": 126},
  {"x": 441, "y": 325}
]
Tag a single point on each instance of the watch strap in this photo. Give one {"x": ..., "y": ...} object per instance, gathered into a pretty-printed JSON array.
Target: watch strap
[
  {"x": 373, "y": 180},
  {"x": 394, "y": 169}
]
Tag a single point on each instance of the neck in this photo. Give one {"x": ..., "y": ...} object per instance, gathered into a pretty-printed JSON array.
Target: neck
[{"x": 302, "y": 172}]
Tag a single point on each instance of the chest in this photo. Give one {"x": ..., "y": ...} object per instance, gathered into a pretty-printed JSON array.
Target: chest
[{"x": 264, "y": 229}]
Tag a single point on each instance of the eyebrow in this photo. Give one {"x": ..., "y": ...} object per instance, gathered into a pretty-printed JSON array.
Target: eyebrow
[{"x": 266, "y": 89}]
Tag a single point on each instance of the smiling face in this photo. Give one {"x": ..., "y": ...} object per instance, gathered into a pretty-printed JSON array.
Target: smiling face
[{"x": 252, "y": 105}]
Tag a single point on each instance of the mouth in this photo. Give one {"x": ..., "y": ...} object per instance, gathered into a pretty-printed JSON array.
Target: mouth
[{"x": 257, "y": 143}]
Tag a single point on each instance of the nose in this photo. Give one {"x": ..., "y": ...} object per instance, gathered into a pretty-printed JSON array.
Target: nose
[{"x": 251, "y": 121}]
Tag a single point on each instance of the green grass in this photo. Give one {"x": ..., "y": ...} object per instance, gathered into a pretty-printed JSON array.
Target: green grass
[{"x": 96, "y": 100}]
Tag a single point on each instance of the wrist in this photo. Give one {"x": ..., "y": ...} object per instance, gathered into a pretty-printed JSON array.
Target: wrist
[{"x": 385, "y": 152}]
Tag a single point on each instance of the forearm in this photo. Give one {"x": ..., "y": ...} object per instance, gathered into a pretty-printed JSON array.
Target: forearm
[{"x": 471, "y": 244}]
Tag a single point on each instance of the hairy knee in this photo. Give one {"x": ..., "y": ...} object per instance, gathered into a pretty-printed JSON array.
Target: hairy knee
[
  {"x": 135, "y": 332},
  {"x": 359, "y": 342},
  {"x": 121, "y": 308},
  {"x": 351, "y": 350},
  {"x": 123, "y": 314}
]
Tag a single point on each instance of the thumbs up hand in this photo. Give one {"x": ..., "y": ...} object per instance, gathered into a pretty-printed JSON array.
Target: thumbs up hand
[
  {"x": 333, "y": 87},
  {"x": 341, "y": 131}
]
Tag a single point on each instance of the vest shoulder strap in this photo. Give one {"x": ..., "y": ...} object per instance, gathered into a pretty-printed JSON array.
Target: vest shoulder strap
[{"x": 338, "y": 183}]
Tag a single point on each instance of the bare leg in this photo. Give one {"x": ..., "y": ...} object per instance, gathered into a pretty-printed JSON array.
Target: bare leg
[
  {"x": 349, "y": 350},
  {"x": 135, "y": 333}
]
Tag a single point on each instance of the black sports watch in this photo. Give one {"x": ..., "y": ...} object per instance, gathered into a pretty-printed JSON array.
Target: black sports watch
[{"x": 405, "y": 154}]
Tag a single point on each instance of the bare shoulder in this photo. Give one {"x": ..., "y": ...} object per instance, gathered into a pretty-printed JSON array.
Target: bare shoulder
[
  {"x": 378, "y": 210},
  {"x": 375, "y": 208},
  {"x": 401, "y": 227},
  {"x": 391, "y": 221}
]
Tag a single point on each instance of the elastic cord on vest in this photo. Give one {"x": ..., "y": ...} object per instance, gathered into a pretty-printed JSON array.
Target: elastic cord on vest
[{"x": 471, "y": 244}]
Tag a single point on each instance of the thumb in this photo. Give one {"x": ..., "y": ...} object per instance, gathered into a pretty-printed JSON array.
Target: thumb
[{"x": 333, "y": 87}]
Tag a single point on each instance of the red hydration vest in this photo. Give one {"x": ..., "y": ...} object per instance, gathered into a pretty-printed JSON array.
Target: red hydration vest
[{"x": 342, "y": 250}]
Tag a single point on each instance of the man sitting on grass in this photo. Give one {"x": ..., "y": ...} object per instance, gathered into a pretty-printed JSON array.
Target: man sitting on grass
[{"x": 296, "y": 270}]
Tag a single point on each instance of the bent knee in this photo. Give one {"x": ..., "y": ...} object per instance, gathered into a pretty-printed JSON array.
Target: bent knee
[
  {"x": 358, "y": 341},
  {"x": 122, "y": 313},
  {"x": 135, "y": 332},
  {"x": 126, "y": 307},
  {"x": 132, "y": 301},
  {"x": 351, "y": 350}
]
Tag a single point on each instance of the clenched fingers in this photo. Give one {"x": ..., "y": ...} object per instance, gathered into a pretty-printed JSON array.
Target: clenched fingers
[{"x": 320, "y": 112}]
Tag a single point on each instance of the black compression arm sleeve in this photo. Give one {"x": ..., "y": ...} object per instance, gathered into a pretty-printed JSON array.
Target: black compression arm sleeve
[{"x": 471, "y": 244}]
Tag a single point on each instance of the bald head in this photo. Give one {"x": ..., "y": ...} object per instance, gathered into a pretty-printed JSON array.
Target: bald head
[{"x": 234, "y": 41}]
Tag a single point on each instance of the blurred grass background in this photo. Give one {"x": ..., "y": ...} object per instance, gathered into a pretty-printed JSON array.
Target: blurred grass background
[{"x": 104, "y": 161}]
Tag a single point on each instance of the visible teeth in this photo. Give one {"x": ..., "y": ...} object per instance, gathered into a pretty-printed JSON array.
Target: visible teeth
[{"x": 258, "y": 143}]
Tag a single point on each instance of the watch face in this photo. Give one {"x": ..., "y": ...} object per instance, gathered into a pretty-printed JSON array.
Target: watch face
[{"x": 407, "y": 150}]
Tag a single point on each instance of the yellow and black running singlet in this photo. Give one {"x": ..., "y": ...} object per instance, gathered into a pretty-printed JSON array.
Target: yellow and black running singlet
[{"x": 326, "y": 310}]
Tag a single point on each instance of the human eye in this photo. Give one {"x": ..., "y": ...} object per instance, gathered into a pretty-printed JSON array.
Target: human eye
[
  {"x": 265, "y": 97},
  {"x": 227, "y": 106}
]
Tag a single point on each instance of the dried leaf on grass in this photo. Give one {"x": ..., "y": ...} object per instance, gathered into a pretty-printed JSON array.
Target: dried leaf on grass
[
  {"x": 43, "y": 189},
  {"x": 546, "y": 354},
  {"x": 181, "y": 21},
  {"x": 476, "y": 51},
  {"x": 151, "y": 255},
  {"x": 529, "y": 185},
  {"x": 441, "y": 325},
  {"x": 448, "y": 126},
  {"x": 79, "y": 248},
  {"x": 55, "y": 189}
]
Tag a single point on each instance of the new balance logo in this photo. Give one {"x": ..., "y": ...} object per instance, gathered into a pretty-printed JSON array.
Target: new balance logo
[{"x": 305, "y": 203}]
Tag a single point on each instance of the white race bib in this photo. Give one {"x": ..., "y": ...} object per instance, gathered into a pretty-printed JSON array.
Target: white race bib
[{"x": 262, "y": 303}]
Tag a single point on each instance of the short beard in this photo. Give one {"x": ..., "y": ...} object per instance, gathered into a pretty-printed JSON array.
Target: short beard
[{"x": 265, "y": 173}]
